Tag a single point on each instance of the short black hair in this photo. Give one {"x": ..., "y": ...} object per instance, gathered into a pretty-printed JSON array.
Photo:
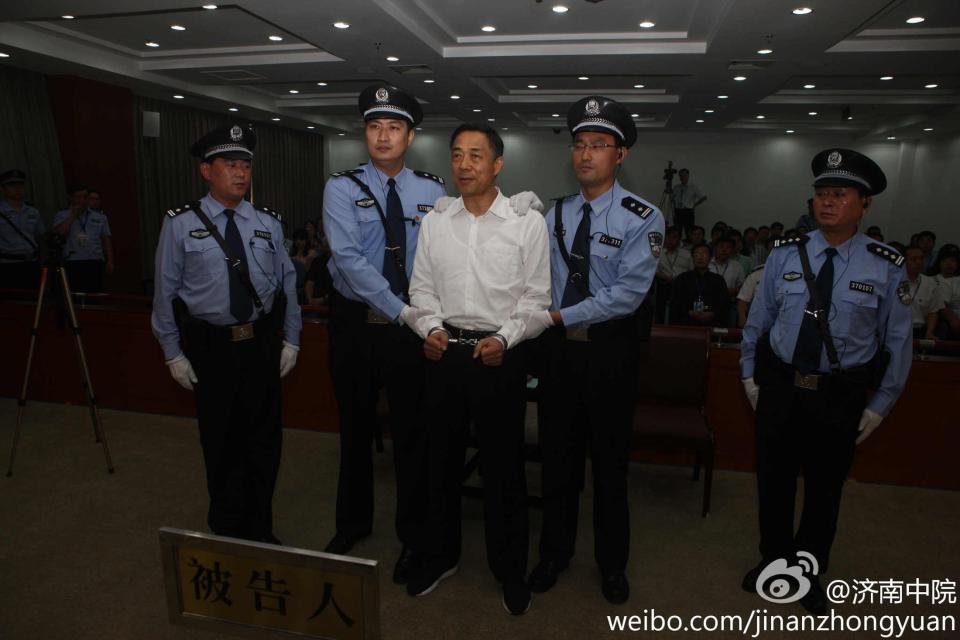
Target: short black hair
[
  {"x": 496, "y": 142},
  {"x": 873, "y": 229},
  {"x": 685, "y": 170},
  {"x": 762, "y": 227},
  {"x": 926, "y": 233},
  {"x": 749, "y": 229},
  {"x": 698, "y": 227},
  {"x": 726, "y": 238},
  {"x": 776, "y": 224},
  {"x": 720, "y": 225},
  {"x": 702, "y": 245},
  {"x": 670, "y": 230}
]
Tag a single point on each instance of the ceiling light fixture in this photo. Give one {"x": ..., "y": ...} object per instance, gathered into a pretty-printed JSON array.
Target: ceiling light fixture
[
  {"x": 491, "y": 119},
  {"x": 809, "y": 86},
  {"x": 740, "y": 78},
  {"x": 67, "y": 17},
  {"x": 929, "y": 129},
  {"x": 812, "y": 113},
  {"x": 634, "y": 115},
  {"x": 477, "y": 110},
  {"x": 931, "y": 86},
  {"x": 151, "y": 43},
  {"x": 638, "y": 86},
  {"x": 761, "y": 117},
  {"x": 233, "y": 109},
  {"x": 275, "y": 119},
  {"x": 177, "y": 96},
  {"x": 341, "y": 134},
  {"x": 294, "y": 91},
  {"x": 802, "y": 11},
  {"x": 321, "y": 84},
  {"x": 489, "y": 28},
  {"x": 209, "y": 7},
  {"x": 583, "y": 78},
  {"x": 708, "y": 110},
  {"x": 454, "y": 97},
  {"x": 560, "y": 9},
  {"x": 393, "y": 59},
  {"x": 532, "y": 86},
  {"x": 646, "y": 24},
  {"x": 886, "y": 77},
  {"x": 429, "y": 81},
  {"x": 341, "y": 25},
  {"x": 891, "y": 137},
  {"x": 310, "y": 126},
  {"x": 178, "y": 27},
  {"x": 505, "y": 128},
  {"x": 554, "y": 115},
  {"x": 722, "y": 97},
  {"x": 699, "y": 121},
  {"x": 4, "y": 55},
  {"x": 915, "y": 20},
  {"x": 764, "y": 52},
  {"x": 790, "y": 131},
  {"x": 276, "y": 38}
]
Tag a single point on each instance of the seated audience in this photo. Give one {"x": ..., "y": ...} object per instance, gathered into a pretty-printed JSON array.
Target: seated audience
[
  {"x": 724, "y": 266},
  {"x": 695, "y": 237},
  {"x": 674, "y": 260},
  {"x": 924, "y": 295},
  {"x": 700, "y": 297}
]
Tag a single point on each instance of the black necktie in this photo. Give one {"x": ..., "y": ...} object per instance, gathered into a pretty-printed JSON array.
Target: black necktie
[
  {"x": 806, "y": 355},
  {"x": 397, "y": 233},
  {"x": 241, "y": 306},
  {"x": 579, "y": 263}
]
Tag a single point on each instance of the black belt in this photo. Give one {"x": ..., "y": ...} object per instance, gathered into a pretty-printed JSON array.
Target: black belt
[
  {"x": 466, "y": 337},
  {"x": 817, "y": 381},
  {"x": 240, "y": 332}
]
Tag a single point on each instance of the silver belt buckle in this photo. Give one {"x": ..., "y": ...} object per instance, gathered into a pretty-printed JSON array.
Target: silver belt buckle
[
  {"x": 241, "y": 332},
  {"x": 808, "y": 381},
  {"x": 374, "y": 318},
  {"x": 578, "y": 333}
]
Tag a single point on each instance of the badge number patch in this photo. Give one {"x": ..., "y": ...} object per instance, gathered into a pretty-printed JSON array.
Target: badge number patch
[
  {"x": 861, "y": 286},
  {"x": 424, "y": 208},
  {"x": 613, "y": 242},
  {"x": 266, "y": 235}
]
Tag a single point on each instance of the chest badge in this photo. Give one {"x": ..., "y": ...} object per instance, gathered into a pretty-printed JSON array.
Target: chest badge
[
  {"x": 424, "y": 208},
  {"x": 266, "y": 235},
  {"x": 790, "y": 276},
  {"x": 613, "y": 242},
  {"x": 366, "y": 203},
  {"x": 199, "y": 234},
  {"x": 861, "y": 286}
]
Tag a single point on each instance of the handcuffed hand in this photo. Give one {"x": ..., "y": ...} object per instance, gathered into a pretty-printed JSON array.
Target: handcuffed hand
[
  {"x": 435, "y": 345},
  {"x": 490, "y": 351},
  {"x": 182, "y": 372}
]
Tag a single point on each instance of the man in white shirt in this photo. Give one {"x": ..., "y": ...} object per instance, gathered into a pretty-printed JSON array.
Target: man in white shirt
[
  {"x": 673, "y": 261},
  {"x": 481, "y": 285},
  {"x": 723, "y": 266},
  {"x": 686, "y": 198},
  {"x": 926, "y": 297}
]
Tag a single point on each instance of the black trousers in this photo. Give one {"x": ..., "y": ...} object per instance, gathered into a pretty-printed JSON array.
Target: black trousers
[
  {"x": 683, "y": 218},
  {"x": 85, "y": 275},
  {"x": 587, "y": 395},
  {"x": 460, "y": 389},
  {"x": 809, "y": 432},
  {"x": 362, "y": 358},
  {"x": 20, "y": 275},
  {"x": 238, "y": 411}
]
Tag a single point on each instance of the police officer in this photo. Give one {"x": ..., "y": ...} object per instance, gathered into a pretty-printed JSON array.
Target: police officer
[
  {"x": 224, "y": 287},
  {"x": 371, "y": 217},
  {"x": 88, "y": 249},
  {"x": 605, "y": 243},
  {"x": 810, "y": 399},
  {"x": 21, "y": 233}
]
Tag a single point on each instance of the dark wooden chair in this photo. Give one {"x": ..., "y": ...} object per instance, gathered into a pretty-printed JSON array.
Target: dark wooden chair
[{"x": 670, "y": 407}]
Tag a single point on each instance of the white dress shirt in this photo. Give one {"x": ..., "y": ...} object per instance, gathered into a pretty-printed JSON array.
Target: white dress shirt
[
  {"x": 750, "y": 284},
  {"x": 673, "y": 263},
  {"x": 483, "y": 273},
  {"x": 686, "y": 196},
  {"x": 926, "y": 297},
  {"x": 950, "y": 292},
  {"x": 730, "y": 271}
]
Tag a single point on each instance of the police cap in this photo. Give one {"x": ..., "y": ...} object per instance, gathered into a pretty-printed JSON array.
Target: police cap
[
  {"x": 847, "y": 168},
  {"x": 387, "y": 101},
  {"x": 596, "y": 113},
  {"x": 13, "y": 176},
  {"x": 234, "y": 142}
]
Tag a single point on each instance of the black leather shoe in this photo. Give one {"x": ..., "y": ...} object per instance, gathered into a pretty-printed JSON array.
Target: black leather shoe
[
  {"x": 428, "y": 575},
  {"x": 406, "y": 564},
  {"x": 615, "y": 588},
  {"x": 516, "y": 597},
  {"x": 815, "y": 600},
  {"x": 544, "y": 575},
  {"x": 749, "y": 583},
  {"x": 341, "y": 544}
]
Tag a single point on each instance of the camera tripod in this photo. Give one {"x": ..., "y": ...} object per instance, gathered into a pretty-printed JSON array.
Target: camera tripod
[
  {"x": 666, "y": 200},
  {"x": 84, "y": 370}
]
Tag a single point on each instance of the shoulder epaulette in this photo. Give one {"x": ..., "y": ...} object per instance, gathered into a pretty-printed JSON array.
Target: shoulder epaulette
[
  {"x": 634, "y": 205},
  {"x": 757, "y": 268},
  {"x": 190, "y": 206},
  {"x": 428, "y": 176},
  {"x": 786, "y": 242},
  {"x": 346, "y": 172},
  {"x": 886, "y": 253},
  {"x": 268, "y": 211}
]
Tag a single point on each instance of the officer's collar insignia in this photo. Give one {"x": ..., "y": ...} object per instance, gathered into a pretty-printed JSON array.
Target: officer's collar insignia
[
  {"x": 886, "y": 253},
  {"x": 382, "y": 95},
  {"x": 236, "y": 133},
  {"x": 634, "y": 205},
  {"x": 903, "y": 292},
  {"x": 365, "y": 203},
  {"x": 592, "y": 108},
  {"x": 790, "y": 276},
  {"x": 266, "y": 235},
  {"x": 346, "y": 173},
  {"x": 199, "y": 234},
  {"x": 861, "y": 286},
  {"x": 834, "y": 160},
  {"x": 190, "y": 206},
  {"x": 424, "y": 208}
]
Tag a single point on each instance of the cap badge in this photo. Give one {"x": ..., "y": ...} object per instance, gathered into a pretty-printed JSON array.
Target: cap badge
[
  {"x": 834, "y": 160},
  {"x": 382, "y": 95},
  {"x": 236, "y": 133},
  {"x": 592, "y": 108}
]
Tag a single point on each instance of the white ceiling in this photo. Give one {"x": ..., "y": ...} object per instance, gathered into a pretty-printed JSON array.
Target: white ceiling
[{"x": 224, "y": 58}]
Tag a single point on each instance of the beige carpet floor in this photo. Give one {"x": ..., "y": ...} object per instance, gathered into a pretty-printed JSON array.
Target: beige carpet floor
[{"x": 79, "y": 552}]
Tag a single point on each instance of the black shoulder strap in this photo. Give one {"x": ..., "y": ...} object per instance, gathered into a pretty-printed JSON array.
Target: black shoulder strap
[
  {"x": 821, "y": 313},
  {"x": 558, "y": 232},
  {"x": 20, "y": 232},
  {"x": 233, "y": 261},
  {"x": 392, "y": 244}
]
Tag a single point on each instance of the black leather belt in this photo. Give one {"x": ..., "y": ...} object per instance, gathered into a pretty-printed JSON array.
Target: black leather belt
[
  {"x": 466, "y": 337},
  {"x": 240, "y": 332},
  {"x": 817, "y": 381}
]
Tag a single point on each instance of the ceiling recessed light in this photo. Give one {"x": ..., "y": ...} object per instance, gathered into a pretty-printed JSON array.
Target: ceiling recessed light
[
  {"x": 638, "y": 86},
  {"x": 802, "y": 11},
  {"x": 178, "y": 27},
  {"x": 790, "y": 131},
  {"x": 583, "y": 78},
  {"x": 454, "y": 97},
  {"x": 505, "y": 128},
  {"x": 915, "y": 20},
  {"x": 809, "y": 86},
  {"x": 886, "y": 77},
  {"x": 151, "y": 43},
  {"x": 67, "y": 17},
  {"x": 560, "y": 9},
  {"x": 740, "y": 78},
  {"x": 276, "y": 38},
  {"x": 646, "y": 24},
  {"x": 722, "y": 97},
  {"x": 554, "y": 115},
  {"x": 293, "y": 91},
  {"x": 275, "y": 119},
  {"x": 321, "y": 84},
  {"x": 209, "y": 7},
  {"x": 489, "y": 28},
  {"x": 699, "y": 121},
  {"x": 532, "y": 86},
  {"x": 4, "y": 55},
  {"x": 428, "y": 81},
  {"x": 341, "y": 134},
  {"x": 233, "y": 109},
  {"x": 708, "y": 110},
  {"x": 477, "y": 110},
  {"x": 891, "y": 137},
  {"x": 931, "y": 86},
  {"x": 491, "y": 119},
  {"x": 177, "y": 96},
  {"x": 929, "y": 129},
  {"x": 764, "y": 52},
  {"x": 310, "y": 126},
  {"x": 761, "y": 117},
  {"x": 812, "y": 113},
  {"x": 634, "y": 115},
  {"x": 341, "y": 25},
  {"x": 393, "y": 59}
]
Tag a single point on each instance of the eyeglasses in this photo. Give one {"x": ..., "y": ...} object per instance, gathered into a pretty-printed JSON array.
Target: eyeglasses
[{"x": 596, "y": 147}]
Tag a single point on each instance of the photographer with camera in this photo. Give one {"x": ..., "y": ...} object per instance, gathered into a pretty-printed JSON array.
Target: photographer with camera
[
  {"x": 21, "y": 231},
  {"x": 88, "y": 249}
]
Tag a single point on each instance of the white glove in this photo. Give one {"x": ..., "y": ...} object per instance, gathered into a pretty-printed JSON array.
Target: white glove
[
  {"x": 443, "y": 203},
  {"x": 182, "y": 372},
  {"x": 525, "y": 201},
  {"x": 752, "y": 390},
  {"x": 536, "y": 323},
  {"x": 288, "y": 358},
  {"x": 411, "y": 315},
  {"x": 868, "y": 422}
]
